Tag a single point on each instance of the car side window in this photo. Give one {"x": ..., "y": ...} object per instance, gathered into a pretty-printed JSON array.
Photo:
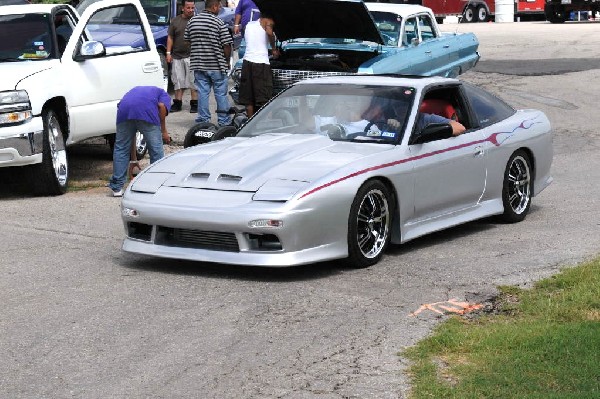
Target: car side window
[
  {"x": 426, "y": 28},
  {"x": 116, "y": 19},
  {"x": 64, "y": 24},
  {"x": 410, "y": 31},
  {"x": 488, "y": 109}
]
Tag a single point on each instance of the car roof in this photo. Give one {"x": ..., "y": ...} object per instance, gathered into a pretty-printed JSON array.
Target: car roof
[
  {"x": 404, "y": 10},
  {"x": 382, "y": 80},
  {"x": 28, "y": 9}
]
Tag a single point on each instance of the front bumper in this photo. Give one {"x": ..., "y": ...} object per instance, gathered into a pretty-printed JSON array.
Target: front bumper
[
  {"x": 22, "y": 144},
  {"x": 178, "y": 226}
]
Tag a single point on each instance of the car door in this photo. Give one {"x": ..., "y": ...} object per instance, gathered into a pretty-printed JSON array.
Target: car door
[
  {"x": 432, "y": 45},
  {"x": 449, "y": 175},
  {"x": 96, "y": 85}
]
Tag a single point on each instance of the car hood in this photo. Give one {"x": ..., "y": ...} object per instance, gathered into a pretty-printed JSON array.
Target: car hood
[
  {"x": 124, "y": 35},
  {"x": 14, "y": 72},
  {"x": 246, "y": 164},
  {"x": 340, "y": 19}
]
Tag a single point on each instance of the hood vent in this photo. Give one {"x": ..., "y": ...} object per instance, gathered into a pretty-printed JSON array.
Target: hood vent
[
  {"x": 203, "y": 176},
  {"x": 229, "y": 178}
]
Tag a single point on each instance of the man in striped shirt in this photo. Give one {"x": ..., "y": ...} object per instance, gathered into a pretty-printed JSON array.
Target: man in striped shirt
[{"x": 210, "y": 59}]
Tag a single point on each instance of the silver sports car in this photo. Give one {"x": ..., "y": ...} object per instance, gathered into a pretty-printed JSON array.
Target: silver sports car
[{"x": 339, "y": 167}]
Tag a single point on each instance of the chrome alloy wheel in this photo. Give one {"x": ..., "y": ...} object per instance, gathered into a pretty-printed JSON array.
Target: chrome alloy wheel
[
  {"x": 58, "y": 151},
  {"x": 519, "y": 185},
  {"x": 373, "y": 223}
]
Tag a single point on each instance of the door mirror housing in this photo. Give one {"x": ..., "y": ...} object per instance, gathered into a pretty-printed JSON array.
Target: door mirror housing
[{"x": 432, "y": 132}]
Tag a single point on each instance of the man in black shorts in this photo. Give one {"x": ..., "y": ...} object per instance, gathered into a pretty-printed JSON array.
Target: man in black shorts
[{"x": 256, "y": 81}]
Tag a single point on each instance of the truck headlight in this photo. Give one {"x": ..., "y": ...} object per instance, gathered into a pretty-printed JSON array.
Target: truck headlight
[{"x": 14, "y": 106}]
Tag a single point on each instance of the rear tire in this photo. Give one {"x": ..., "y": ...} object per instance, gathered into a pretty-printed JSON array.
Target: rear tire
[
  {"x": 517, "y": 187},
  {"x": 51, "y": 177},
  {"x": 469, "y": 14},
  {"x": 200, "y": 133},
  {"x": 482, "y": 14},
  {"x": 369, "y": 224}
]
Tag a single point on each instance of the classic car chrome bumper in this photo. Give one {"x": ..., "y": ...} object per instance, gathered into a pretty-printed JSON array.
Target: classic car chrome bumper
[{"x": 21, "y": 144}]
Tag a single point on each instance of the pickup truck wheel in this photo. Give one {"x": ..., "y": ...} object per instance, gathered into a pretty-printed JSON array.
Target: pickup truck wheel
[
  {"x": 469, "y": 14},
  {"x": 482, "y": 14},
  {"x": 52, "y": 175},
  {"x": 141, "y": 147}
]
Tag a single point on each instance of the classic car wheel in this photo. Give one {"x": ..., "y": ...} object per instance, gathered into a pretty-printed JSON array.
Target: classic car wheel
[
  {"x": 369, "y": 224},
  {"x": 200, "y": 133},
  {"x": 141, "y": 147},
  {"x": 516, "y": 189},
  {"x": 469, "y": 14},
  {"x": 52, "y": 175},
  {"x": 482, "y": 14}
]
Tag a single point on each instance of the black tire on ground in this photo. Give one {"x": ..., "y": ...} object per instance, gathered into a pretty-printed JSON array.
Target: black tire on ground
[
  {"x": 51, "y": 176},
  {"x": 555, "y": 14},
  {"x": 517, "y": 187},
  {"x": 200, "y": 133},
  {"x": 482, "y": 14},
  {"x": 225, "y": 131},
  {"x": 369, "y": 224},
  {"x": 469, "y": 14}
]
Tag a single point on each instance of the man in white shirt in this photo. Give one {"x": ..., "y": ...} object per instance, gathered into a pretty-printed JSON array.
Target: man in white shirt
[{"x": 256, "y": 81}]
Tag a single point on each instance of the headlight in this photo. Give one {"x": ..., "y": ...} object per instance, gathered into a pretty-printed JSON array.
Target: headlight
[
  {"x": 14, "y": 106},
  {"x": 279, "y": 190}
]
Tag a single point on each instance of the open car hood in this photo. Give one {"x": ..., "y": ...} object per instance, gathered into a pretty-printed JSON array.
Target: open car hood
[{"x": 339, "y": 19}]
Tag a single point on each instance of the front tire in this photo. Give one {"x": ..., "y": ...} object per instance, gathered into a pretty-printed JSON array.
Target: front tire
[
  {"x": 517, "y": 188},
  {"x": 51, "y": 177},
  {"x": 369, "y": 224}
]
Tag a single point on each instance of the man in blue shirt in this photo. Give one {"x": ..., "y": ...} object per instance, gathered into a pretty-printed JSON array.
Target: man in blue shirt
[{"x": 143, "y": 109}]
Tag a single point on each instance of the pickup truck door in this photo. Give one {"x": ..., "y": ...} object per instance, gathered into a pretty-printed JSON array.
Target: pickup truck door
[{"x": 96, "y": 85}]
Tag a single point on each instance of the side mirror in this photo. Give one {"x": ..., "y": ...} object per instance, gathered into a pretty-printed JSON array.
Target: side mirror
[
  {"x": 432, "y": 132},
  {"x": 91, "y": 49}
]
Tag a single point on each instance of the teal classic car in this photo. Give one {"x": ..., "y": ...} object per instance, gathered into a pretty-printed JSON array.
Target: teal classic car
[{"x": 343, "y": 37}]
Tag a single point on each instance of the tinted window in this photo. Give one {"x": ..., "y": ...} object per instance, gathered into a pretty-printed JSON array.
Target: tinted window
[
  {"x": 488, "y": 108},
  {"x": 25, "y": 37}
]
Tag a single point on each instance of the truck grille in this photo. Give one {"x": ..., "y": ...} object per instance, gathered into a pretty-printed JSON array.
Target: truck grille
[
  {"x": 188, "y": 238},
  {"x": 283, "y": 78}
]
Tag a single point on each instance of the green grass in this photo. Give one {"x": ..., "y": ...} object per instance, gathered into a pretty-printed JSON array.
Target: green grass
[{"x": 544, "y": 343}]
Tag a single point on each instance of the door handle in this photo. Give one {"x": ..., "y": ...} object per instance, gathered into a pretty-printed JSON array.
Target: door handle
[
  {"x": 478, "y": 151},
  {"x": 446, "y": 46},
  {"x": 150, "y": 67},
  {"x": 428, "y": 52}
]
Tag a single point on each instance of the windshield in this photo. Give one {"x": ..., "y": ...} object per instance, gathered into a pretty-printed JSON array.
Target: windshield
[
  {"x": 25, "y": 37},
  {"x": 389, "y": 26},
  {"x": 341, "y": 112},
  {"x": 158, "y": 12}
]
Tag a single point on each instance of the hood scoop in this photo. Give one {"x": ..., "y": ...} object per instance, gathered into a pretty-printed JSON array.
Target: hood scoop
[
  {"x": 224, "y": 178},
  {"x": 200, "y": 176}
]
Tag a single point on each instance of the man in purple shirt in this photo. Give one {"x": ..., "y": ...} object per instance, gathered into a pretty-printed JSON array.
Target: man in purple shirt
[
  {"x": 245, "y": 12},
  {"x": 143, "y": 109}
]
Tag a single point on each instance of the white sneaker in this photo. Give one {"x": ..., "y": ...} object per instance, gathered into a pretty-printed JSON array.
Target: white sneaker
[{"x": 118, "y": 193}]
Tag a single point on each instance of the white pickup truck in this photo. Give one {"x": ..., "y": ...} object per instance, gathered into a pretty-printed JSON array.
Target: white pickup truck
[{"x": 58, "y": 85}]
